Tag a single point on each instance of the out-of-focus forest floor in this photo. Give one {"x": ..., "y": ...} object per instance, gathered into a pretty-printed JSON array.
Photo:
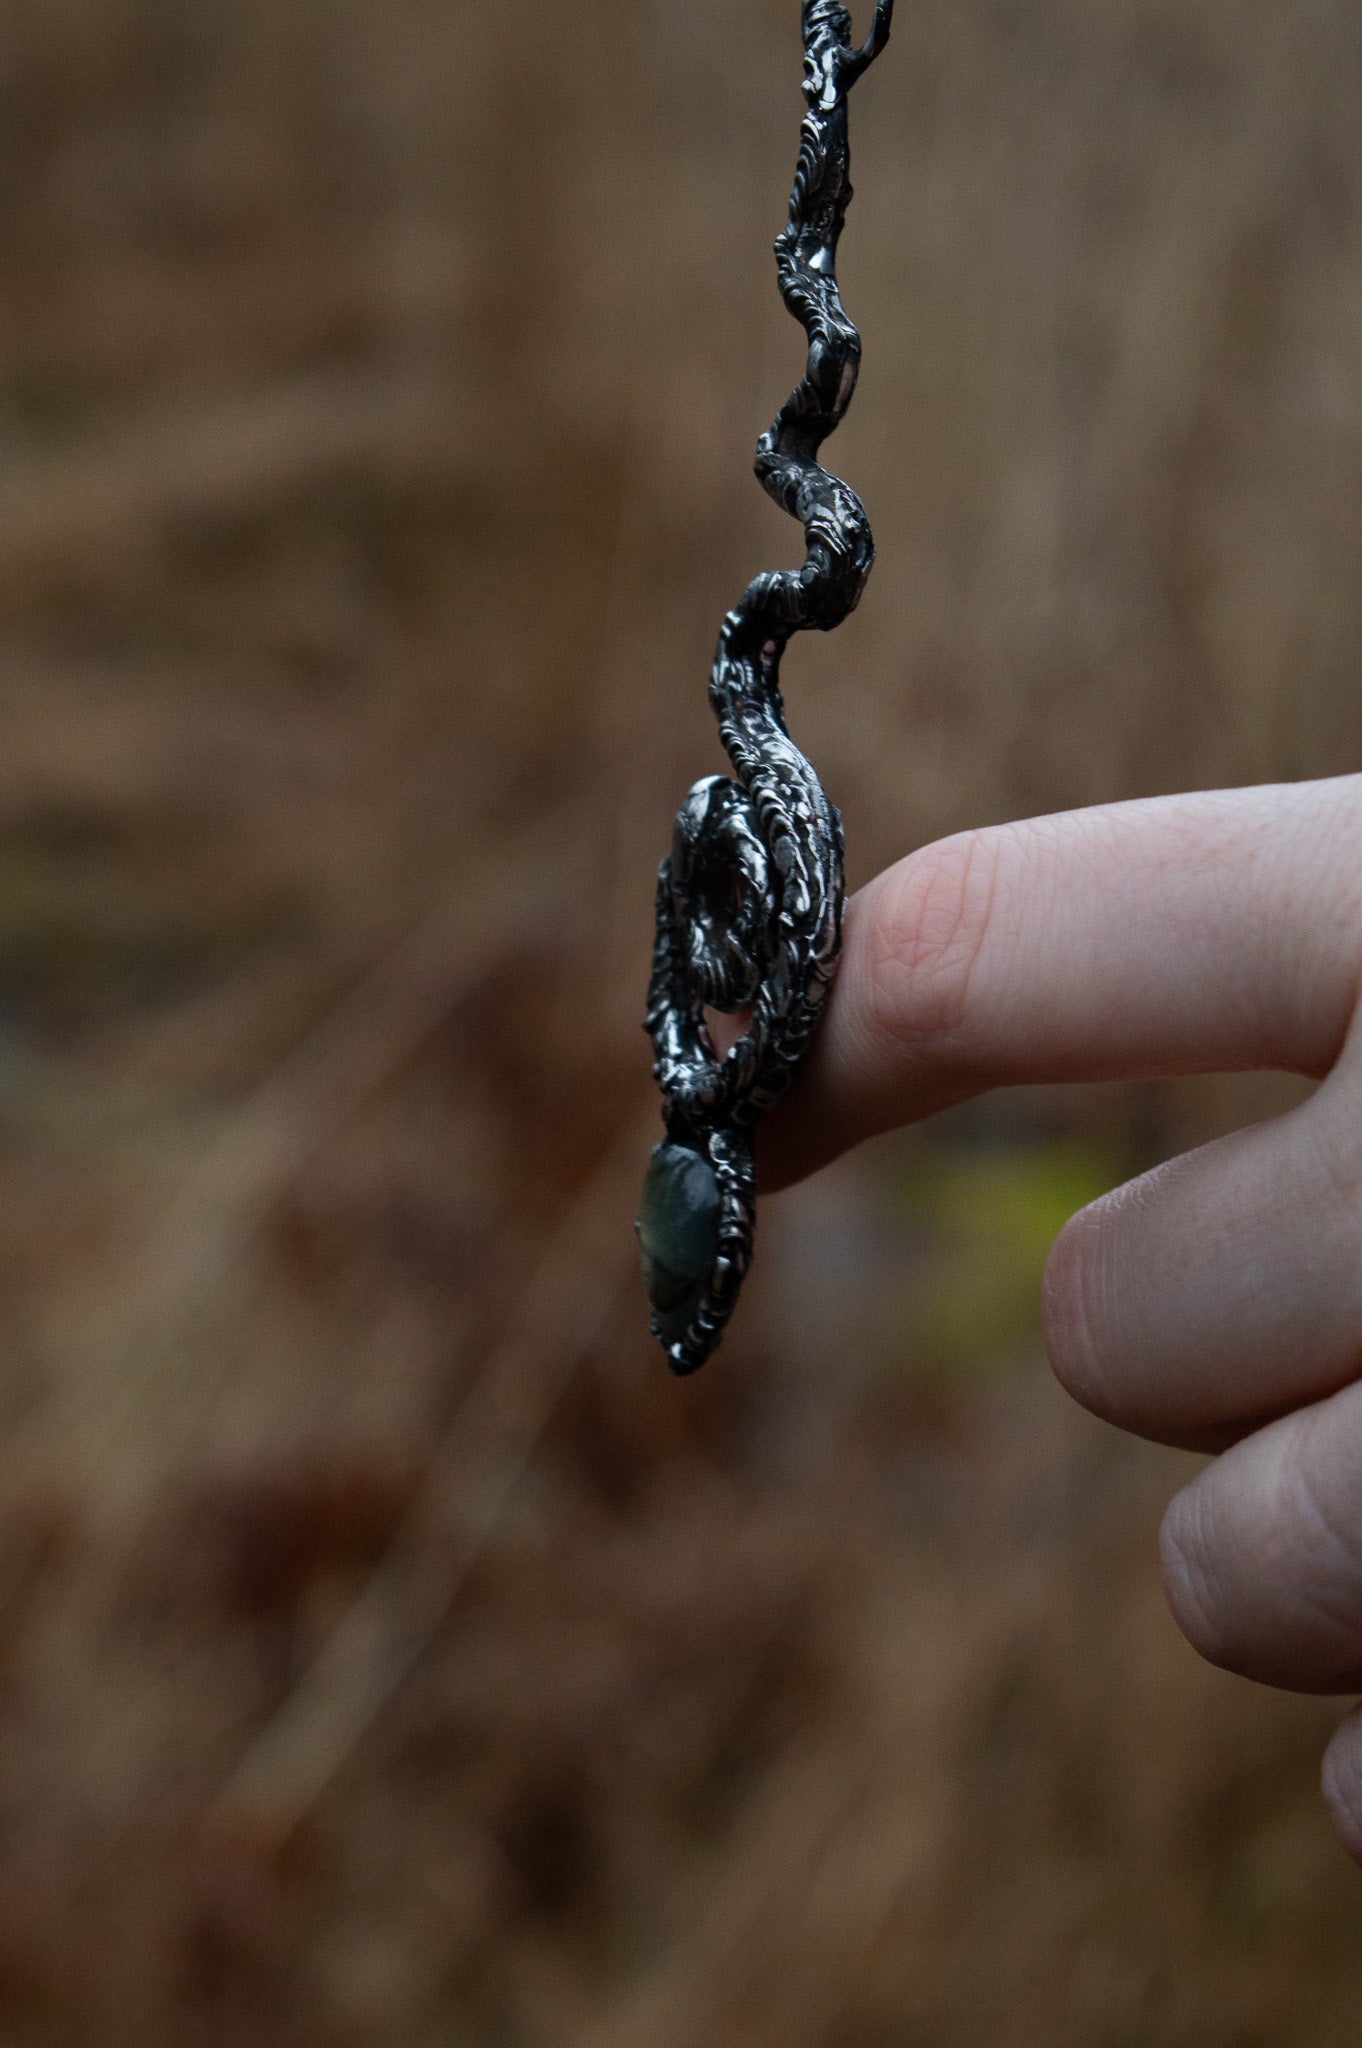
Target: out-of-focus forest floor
[{"x": 392, "y": 1652}]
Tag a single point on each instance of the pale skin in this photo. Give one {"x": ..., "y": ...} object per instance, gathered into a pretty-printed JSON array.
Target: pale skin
[{"x": 1217, "y": 1301}]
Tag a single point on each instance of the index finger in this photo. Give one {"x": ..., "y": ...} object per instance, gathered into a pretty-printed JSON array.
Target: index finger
[{"x": 1187, "y": 934}]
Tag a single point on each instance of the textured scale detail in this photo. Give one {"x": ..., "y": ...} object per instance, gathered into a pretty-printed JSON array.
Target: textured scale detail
[{"x": 749, "y": 902}]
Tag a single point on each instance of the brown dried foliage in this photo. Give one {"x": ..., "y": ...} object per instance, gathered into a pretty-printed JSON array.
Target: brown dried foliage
[{"x": 389, "y": 1651}]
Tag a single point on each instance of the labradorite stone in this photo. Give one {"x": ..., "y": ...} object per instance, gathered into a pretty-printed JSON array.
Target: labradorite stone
[{"x": 678, "y": 1229}]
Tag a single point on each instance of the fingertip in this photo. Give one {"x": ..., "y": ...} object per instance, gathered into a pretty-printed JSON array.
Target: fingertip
[
  {"x": 1065, "y": 1313},
  {"x": 894, "y": 1045},
  {"x": 1341, "y": 1783},
  {"x": 1190, "y": 1582},
  {"x": 1095, "y": 1303}
]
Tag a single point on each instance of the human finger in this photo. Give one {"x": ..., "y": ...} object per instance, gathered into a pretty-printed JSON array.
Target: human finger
[
  {"x": 1341, "y": 1779},
  {"x": 1224, "y": 1287},
  {"x": 1183, "y": 934},
  {"x": 1262, "y": 1553}
]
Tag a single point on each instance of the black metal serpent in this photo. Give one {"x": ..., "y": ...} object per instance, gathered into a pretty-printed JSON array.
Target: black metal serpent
[{"x": 749, "y": 903}]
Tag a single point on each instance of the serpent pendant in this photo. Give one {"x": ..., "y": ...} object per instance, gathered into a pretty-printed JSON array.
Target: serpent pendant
[{"x": 749, "y": 901}]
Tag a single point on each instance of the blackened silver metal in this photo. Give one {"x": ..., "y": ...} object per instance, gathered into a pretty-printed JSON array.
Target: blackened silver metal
[{"x": 749, "y": 903}]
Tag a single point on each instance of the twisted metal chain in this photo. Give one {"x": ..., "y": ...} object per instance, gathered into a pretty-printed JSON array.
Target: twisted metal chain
[{"x": 749, "y": 902}]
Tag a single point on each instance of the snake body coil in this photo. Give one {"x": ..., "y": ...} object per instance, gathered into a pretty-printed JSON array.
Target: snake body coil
[{"x": 749, "y": 903}]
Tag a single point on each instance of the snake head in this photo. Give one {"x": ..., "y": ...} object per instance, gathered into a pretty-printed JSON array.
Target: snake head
[{"x": 720, "y": 876}]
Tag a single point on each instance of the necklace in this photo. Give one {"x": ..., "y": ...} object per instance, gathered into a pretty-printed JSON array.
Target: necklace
[{"x": 749, "y": 901}]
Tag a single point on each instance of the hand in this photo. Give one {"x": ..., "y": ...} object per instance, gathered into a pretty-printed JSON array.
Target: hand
[{"x": 1217, "y": 1301}]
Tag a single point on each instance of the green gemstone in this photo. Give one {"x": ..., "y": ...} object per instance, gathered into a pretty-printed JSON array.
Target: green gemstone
[{"x": 678, "y": 1229}]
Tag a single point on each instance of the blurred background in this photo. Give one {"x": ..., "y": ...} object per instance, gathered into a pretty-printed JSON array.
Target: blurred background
[{"x": 390, "y": 1651}]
